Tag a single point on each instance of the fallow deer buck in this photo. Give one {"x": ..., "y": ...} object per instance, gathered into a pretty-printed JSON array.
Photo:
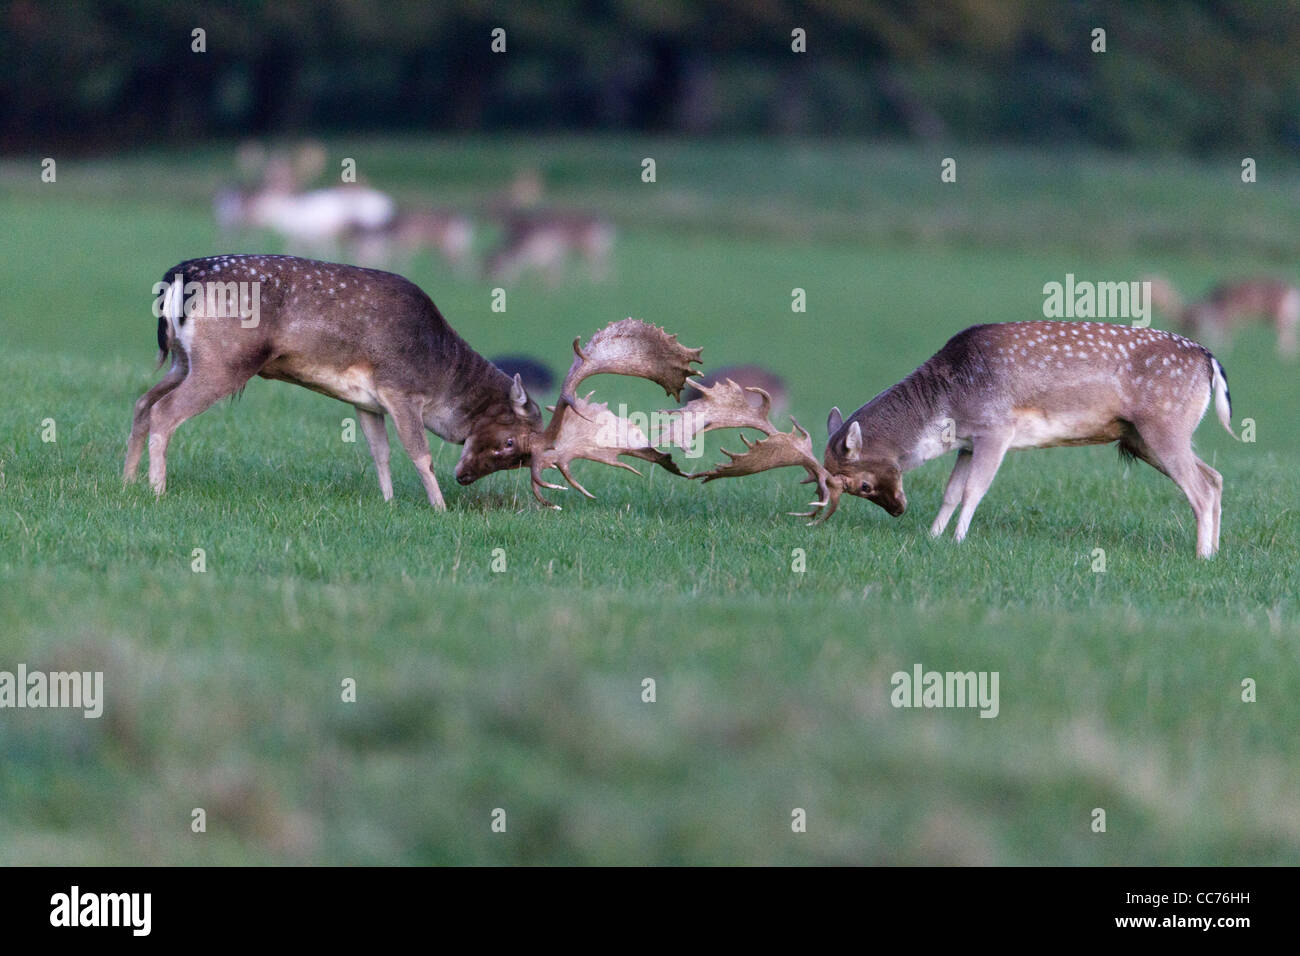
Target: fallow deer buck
[
  {"x": 1232, "y": 304},
  {"x": 376, "y": 341},
  {"x": 993, "y": 389}
]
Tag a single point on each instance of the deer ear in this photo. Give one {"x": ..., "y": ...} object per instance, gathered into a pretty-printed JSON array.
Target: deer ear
[
  {"x": 834, "y": 422},
  {"x": 853, "y": 443},
  {"x": 517, "y": 394}
]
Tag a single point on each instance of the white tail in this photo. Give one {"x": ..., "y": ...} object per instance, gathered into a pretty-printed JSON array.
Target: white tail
[{"x": 1222, "y": 400}]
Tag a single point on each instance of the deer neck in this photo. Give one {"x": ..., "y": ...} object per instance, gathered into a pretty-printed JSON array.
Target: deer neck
[
  {"x": 473, "y": 390},
  {"x": 906, "y": 421}
]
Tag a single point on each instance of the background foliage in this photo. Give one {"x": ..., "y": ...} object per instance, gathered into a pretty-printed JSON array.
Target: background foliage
[{"x": 1200, "y": 75}]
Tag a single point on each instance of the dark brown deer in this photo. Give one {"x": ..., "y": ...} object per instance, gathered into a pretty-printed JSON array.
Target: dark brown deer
[
  {"x": 376, "y": 341},
  {"x": 1232, "y": 304},
  {"x": 993, "y": 389}
]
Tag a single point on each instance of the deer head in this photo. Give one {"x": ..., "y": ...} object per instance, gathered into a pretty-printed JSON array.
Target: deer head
[
  {"x": 502, "y": 436},
  {"x": 875, "y": 475}
]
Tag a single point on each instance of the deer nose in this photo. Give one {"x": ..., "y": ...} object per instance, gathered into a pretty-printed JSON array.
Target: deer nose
[{"x": 464, "y": 480}]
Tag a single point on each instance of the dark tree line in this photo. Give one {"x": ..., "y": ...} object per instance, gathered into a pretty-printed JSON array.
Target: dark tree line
[{"x": 1198, "y": 75}]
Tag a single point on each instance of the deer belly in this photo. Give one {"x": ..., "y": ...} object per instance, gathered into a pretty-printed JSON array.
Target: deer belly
[
  {"x": 354, "y": 384},
  {"x": 1039, "y": 428}
]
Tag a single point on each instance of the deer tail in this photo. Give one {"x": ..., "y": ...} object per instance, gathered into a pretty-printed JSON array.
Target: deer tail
[
  {"x": 1222, "y": 399},
  {"x": 170, "y": 316}
]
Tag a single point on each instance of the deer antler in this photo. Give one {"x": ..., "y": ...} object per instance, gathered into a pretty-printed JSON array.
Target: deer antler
[
  {"x": 593, "y": 432},
  {"x": 727, "y": 405},
  {"x": 628, "y": 347},
  {"x": 596, "y": 434}
]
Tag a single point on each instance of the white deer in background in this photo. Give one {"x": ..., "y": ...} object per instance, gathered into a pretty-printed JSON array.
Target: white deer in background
[{"x": 317, "y": 221}]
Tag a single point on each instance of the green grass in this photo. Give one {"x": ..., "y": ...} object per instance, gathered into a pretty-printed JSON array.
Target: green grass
[{"x": 522, "y": 689}]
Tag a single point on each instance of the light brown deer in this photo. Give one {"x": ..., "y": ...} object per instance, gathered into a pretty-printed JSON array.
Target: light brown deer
[
  {"x": 446, "y": 232},
  {"x": 993, "y": 389},
  {"x": 546, "y": 240},
  {"x": 376, "y": 341},
  {"x": 1230, "y": 305}
]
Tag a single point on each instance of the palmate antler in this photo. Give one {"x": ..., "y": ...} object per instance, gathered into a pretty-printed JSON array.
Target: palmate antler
[
  {"x": 728, "y": 405},
  {"x": 580, "y": 428}
]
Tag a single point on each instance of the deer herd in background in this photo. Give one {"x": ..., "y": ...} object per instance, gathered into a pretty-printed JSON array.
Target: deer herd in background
[
  {"x": 376, "y": 341},
  {"x": 357, "y": 222}
]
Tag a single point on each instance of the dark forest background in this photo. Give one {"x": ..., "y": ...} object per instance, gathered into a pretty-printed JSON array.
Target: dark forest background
[{"x": 1196, "y": 76}]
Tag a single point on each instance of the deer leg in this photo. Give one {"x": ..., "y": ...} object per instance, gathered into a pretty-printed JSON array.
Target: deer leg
[
  {"x": 1216, "y": 488},
  {"x": 140, "y": 419},
  {"x": 194, "y": 395},
  {"x": 1288, "y": 318},
  {"x": 1186, "y": 473},
  {"x": 1135, "y": 446},
  {"x": 372, "y": 423},
  {"x": 1211, "y": 488},
  {"x": 987, "y": 452},
  {"x": 1174, "y": 457},
  {"x": 555, "y": 274},
  {"x": 952, "y": 492},
  {"x": 410, "y": 429},
  {"x": 597, "y": 253}
]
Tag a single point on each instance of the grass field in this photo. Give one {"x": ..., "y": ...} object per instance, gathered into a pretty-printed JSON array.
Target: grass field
[{"x": 521, "y": 690}]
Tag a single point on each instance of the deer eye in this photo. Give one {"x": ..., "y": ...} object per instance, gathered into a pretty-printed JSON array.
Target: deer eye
[
  {"x": 510, "y": 443},
  {"x": 866, "y": 488}
]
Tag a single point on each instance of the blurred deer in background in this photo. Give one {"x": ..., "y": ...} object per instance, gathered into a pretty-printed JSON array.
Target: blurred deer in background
[
  {"x": 535, "y": 374},
  {"x": 317, "y": 221},
  {"x": 394, "y": 245},
  {"x": 1231, "y": 304},
  {"x": 545, "y": 240}
]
